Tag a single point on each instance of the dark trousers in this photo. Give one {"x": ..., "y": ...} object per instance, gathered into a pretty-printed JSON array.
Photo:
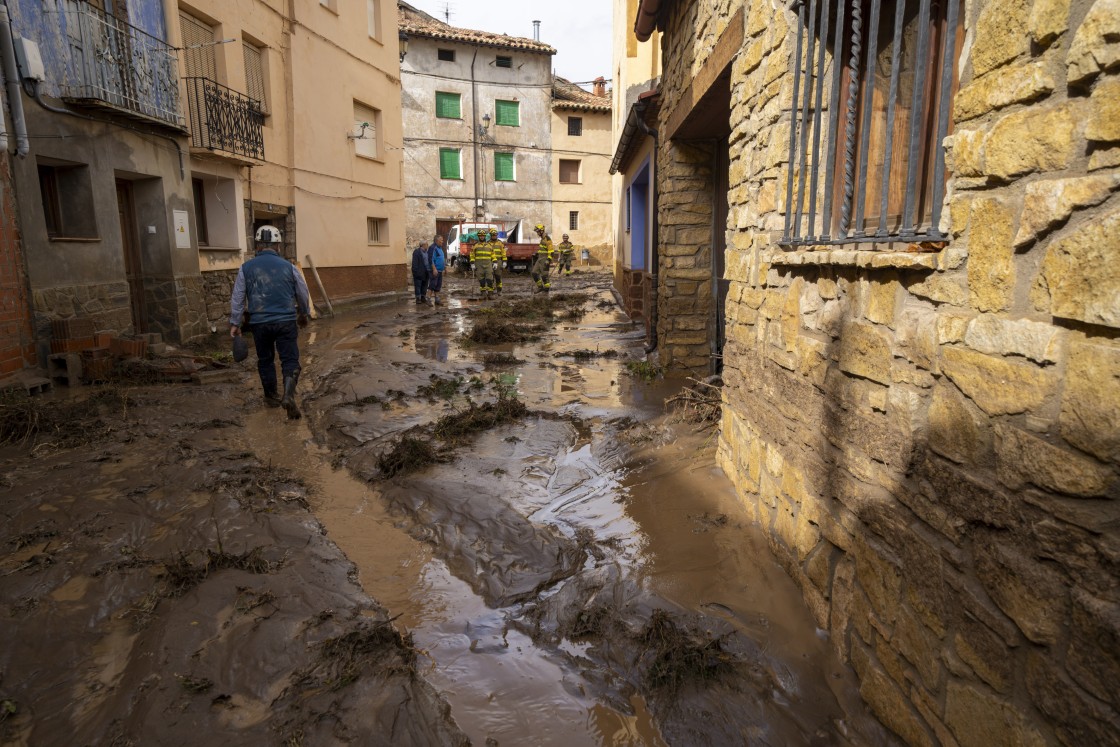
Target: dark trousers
[
  {"x": 421, "y": 283},
  {"x": 271, "y": 338}
]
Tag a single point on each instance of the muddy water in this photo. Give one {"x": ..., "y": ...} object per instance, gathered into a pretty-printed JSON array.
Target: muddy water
[{"x": 592, "y": 508}]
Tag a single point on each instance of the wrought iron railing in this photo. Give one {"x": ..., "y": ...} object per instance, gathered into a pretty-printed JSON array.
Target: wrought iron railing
[
  {"x": 115, "y": 64},
  {"x": 224, "y": 120},
  {"x": 871, "y": 107}
]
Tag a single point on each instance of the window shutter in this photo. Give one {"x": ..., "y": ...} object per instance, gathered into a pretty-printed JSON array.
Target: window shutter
[
  {"x": 503, "y": 167},
  {"x": 507, "y": 113},
  {"x": 254, "y": 75},
  {"x": 448, "y": 105},
  {"x": 449, "y": 163},
  {"x": 365, "y": 143},
  {"x": 198, "y": 52}
]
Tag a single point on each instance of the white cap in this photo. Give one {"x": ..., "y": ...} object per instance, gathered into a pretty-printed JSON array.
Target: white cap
[{"x": 268, "y": 235}]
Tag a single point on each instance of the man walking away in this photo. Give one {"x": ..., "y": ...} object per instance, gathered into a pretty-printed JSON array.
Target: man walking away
[
  {"x": 437, "y": 262},
  {"x": 420, "y": 273},
  {"x": 273, "y": 292},
  {"x": 543, "y": 261},
  {"x": 566, "y": 250}
]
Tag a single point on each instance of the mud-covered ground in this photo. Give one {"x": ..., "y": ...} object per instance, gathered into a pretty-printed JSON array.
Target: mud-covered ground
[{"x": 554, "y": 560}]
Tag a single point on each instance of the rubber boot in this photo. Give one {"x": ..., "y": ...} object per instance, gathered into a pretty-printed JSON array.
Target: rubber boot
[
  {"x": 271, "y": 398},
  {"x": 289, "y": 400}
]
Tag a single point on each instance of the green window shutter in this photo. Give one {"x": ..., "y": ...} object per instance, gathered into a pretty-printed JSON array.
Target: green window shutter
[
  {"x": 447, "y": 105},
  {"x": 503, "y": 167},
  {"x": 449, "y": 163},
  {"x": 507, "y": 113}
]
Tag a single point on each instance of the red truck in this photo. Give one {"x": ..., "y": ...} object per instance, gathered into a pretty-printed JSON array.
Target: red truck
[{"x": 518, "y": 256}]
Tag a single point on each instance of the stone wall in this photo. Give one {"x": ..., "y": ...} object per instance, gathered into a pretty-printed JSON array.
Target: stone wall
[
  {"x": 932, "y": 440},
  {"x": 218, "y": 290}
]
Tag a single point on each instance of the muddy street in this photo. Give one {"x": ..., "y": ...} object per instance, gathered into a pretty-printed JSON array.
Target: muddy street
[{"x": 486, "y": 528}]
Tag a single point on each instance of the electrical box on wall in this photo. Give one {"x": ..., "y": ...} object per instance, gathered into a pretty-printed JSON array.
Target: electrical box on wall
[{"x": 29, "y": 60}]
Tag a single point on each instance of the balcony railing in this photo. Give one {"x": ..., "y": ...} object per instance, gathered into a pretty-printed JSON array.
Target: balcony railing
[
  {"x": 116, "y": 65},
  {"x": 224, "y": 120}
]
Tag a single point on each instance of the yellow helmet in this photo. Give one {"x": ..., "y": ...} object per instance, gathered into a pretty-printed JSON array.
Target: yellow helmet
[{"x": 538, "y": 227}]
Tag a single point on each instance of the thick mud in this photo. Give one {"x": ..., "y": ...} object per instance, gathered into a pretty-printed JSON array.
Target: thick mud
[{"x": 554, "y": 560}]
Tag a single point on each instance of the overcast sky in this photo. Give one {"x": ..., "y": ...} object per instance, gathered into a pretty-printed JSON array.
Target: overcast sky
[{"x": 580, "y": 30}]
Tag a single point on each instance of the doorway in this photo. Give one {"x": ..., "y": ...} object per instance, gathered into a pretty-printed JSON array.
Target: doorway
[{"x": 130, "y": 248}]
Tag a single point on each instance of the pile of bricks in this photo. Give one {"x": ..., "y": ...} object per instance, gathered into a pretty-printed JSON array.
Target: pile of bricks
[{"x": 79, "y": 354}]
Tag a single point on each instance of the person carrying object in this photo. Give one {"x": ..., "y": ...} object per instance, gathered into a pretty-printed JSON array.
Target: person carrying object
[
  {"x": 420, "y": 273},
  {"x": 274, "y": 294}
]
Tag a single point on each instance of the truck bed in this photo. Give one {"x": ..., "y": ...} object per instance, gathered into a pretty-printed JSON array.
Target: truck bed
[{"x": 519, "y": 256}]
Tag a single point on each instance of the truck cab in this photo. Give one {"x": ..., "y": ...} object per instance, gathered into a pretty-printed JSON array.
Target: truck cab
[{"x": 459, "y": 240}]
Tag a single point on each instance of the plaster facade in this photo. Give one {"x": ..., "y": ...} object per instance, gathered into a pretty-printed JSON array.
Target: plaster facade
[
  {"x": 78, "y": 262},
  {"x": 472, "y": 73},
  {"x": 318, "y": 164},
  {"x": 930, "y": 438},
  {"x": 589, "y": 197}
]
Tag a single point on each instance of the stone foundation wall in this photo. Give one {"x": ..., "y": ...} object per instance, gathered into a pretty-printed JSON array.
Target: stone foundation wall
[
  {"x": 107, "y": 304},
  {"x": 932, "y": 441},
  {"x": 217, "y": 290},
  {"x": 176, "y": 307}
]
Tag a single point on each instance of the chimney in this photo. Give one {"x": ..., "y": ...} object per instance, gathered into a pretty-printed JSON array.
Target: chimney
[
  {"x": 536, "y": 30},
  {"x": 599, "y": 86}
]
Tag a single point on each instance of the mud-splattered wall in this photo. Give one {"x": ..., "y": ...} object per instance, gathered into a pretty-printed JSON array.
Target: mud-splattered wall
[{"x": 931, "y": 439}]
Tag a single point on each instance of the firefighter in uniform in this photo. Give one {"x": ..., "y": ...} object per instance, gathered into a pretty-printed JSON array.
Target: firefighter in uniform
[
  {"x": 565, "y": 250},
  {"x": 483, "y": 260},
  {"x": 497, "y": 256},
  {"x": 544, "y": 259}
]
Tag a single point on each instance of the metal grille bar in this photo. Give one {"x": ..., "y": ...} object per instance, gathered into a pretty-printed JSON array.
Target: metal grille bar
[
  {"x": 852, "y": 152},
  {"x": 116, "y": 65},
  {"x": 224, "y": 120}
]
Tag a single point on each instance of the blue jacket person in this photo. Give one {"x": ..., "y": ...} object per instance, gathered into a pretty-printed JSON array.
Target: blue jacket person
[{"x": 274, "y": 293}]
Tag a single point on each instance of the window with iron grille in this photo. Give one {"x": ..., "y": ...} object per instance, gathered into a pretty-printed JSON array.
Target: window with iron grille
[
  {"x": 255, "y": 85},
  {"x": 569, "y": 171},
  {"x": 872, "y": 102},
  {"x": 503, "y": 61},
  {"x": 573, "y": 220},
  {"x": 450, "y": 163},
  {"x": 445, "y": 55},
  {"x": 507, "y": 113},
  {"x": 377, "y": 230},
  {"x": 448, "y": 105},
  {"x": 503, "y": 167},
  {"x": 575, "y": 126}
]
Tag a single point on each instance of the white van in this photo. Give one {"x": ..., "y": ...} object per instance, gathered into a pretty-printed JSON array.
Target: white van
[{"x": 458, "y": 231}]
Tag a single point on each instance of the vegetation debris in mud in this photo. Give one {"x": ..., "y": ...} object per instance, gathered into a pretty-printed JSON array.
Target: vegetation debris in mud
[
  {"x": 699, "y": 401},
  {"x": 440, "y": 388},
  {"x": 409, "y": 454},
  {"x": 492, "y": 330},
  {"x": 501, "y": 359},
  {"x": 476, "y": 418},
  {"x": 675, "y": 656},
  {"x": 194, "y": 685},
  {"x": 647, "y": 371},
  {"x": 64, "y": 424},
  {"x": 583, "y": 355},
  {"x": 374, "y": 647}
]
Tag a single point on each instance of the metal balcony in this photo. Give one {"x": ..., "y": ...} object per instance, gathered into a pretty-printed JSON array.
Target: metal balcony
[
  {"x": 117, "y": 66},
  {"x": 224, "y": 120}
]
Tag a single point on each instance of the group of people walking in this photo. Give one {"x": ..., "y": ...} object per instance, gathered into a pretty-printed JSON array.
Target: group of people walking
[{"x": 271, "y": 295}]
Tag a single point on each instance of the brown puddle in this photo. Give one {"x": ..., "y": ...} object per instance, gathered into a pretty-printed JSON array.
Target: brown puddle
[
  {"x": 592, "y": 502},
  {"x": 578, "y": 575}
]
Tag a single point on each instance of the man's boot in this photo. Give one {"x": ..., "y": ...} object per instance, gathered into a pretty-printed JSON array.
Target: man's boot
[
  {"x": 271, "y": 398},
  {"x": 289, "y": 400}
]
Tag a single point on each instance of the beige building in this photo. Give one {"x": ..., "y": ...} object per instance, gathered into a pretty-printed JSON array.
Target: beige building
[
  {"x": 270, "y": 144},
  {"x": 633, "y": 168},
  {"x": 581, "y": 187},
  {"x": 918, "y": 324}
]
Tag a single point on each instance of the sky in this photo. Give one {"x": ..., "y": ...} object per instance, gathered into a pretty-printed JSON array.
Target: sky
[{"x": 580, "y": 30}]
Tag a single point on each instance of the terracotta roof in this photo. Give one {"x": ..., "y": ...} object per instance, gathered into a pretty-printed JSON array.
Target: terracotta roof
[
  {"x": 415, "y": 22},
  {"x": 567, "y": 95}
]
